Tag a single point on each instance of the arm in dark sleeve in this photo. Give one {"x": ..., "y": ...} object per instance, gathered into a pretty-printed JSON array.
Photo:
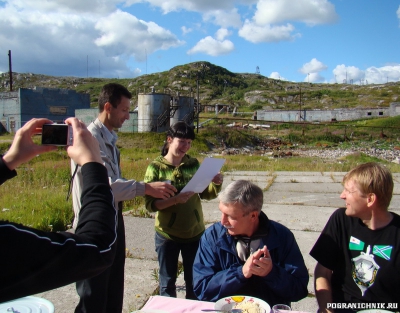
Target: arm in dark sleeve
[
  {"x": 5, "y": 172},
  {"x": 37, "y": 261}
]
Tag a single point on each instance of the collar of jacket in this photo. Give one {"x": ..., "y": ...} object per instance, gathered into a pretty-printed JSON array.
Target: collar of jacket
[
  {"x": 110, "y": 136},
  {"x": 263, "y": 232},
  {"x": 186, "y": 158}
]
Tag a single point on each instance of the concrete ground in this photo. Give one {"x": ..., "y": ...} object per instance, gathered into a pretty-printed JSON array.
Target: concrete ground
[{"x": 302, "y": 201}]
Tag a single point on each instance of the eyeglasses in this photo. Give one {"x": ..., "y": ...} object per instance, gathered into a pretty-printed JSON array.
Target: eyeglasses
[{"x": 346, "y": 191}]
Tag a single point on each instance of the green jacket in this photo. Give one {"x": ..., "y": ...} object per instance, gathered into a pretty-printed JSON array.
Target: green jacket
[{"x": 182, "y": 222}]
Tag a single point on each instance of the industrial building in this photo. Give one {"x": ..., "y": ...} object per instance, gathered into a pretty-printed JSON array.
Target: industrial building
[
  {"x": 18, "y": 107},
  {"x": 327, "y": 115},
  {"x": 155, "y": 111}
]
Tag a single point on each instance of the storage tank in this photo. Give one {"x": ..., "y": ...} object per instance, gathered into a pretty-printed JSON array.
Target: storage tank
[
  {"x": 184, "y": 110},
  {"x": 153, "y": 112}
]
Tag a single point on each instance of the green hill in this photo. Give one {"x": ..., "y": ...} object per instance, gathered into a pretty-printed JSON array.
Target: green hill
[{"x": 217, "y": 85}]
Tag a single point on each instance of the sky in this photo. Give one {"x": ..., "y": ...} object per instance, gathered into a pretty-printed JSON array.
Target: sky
[{"x": 318, "y": 41}]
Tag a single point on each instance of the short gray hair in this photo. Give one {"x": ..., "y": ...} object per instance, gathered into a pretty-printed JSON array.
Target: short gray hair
[{"x": 243, "y": 192}]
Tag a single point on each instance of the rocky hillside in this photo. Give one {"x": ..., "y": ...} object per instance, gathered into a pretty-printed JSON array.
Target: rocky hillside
[{"x": 217, "y": 85}]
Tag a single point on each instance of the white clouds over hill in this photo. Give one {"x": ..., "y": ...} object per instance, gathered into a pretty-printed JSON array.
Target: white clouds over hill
[{"x": 115, "y": 38}]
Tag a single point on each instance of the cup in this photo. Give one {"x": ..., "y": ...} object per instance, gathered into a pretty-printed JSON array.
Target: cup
[{"x": 280, "y": 308}]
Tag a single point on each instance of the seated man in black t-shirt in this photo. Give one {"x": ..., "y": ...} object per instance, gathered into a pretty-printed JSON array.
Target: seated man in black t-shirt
[{"x": 358, "y": 251}]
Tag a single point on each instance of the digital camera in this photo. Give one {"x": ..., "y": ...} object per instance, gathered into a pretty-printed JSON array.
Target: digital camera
[{"x": 57, "y": 135}]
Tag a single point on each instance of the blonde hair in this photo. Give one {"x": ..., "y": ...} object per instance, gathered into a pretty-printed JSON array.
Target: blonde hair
[{"x": 373, "y": 178}]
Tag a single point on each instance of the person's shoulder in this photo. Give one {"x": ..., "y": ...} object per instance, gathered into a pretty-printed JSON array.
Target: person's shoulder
[
  {"x": 158, "y": 162},
  {"x": 215, "y": 229},
  {"x": 159, "y": 159},
  {"x": 280, "y": 228},
  {"x": 94, "y": 128},
  {"x": 190, "y": 160},
  {"x": 339, "y": 213},
  {"x": 396, "y": 219}
]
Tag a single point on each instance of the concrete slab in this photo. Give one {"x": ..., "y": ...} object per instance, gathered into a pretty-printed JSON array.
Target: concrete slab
[
  {"x": 307, "y": 187},
  {"x": 304, "y": 198},
  {"x": 139, "y": 234},
  {"x": 303, "y": 179},
  {"x": 302, "y": 201}
]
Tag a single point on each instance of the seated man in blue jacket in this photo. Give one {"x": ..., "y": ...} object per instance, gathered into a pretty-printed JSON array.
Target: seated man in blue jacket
[{"x": 248, "y": 254}]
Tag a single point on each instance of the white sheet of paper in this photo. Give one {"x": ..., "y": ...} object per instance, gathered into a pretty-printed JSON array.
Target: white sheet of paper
[{"x": 204, "y": 175}]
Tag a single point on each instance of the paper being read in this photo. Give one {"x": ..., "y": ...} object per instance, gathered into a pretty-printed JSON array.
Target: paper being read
[{"x": 204, "y": 175}]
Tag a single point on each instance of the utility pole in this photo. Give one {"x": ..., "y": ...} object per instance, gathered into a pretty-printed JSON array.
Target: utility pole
[
  {"x": 300, "y": 107},
  {"x": 198, "y": 103},
  {"x": 10, "y": 70}
]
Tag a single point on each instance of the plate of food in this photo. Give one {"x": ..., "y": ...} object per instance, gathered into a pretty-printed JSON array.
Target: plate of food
[
  {"x": 245, "y": 303},
  {"x": 27, "y": 305}
]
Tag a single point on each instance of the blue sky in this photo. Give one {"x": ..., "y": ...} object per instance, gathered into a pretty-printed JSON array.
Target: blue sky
[{"x": 318, "y": 41}]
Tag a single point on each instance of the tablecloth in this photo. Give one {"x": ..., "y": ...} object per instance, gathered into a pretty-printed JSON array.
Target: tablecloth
[{"x": 176, "y": 305}]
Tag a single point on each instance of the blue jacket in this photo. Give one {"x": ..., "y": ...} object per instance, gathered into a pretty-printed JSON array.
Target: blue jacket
[{"x": 217, "y": 270}]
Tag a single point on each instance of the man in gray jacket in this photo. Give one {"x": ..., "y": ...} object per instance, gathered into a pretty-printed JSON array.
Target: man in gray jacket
[{"x": 104, "y": 293}]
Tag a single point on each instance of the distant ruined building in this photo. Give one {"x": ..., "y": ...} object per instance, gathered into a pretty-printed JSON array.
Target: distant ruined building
[{"x": 327, "y": 115}]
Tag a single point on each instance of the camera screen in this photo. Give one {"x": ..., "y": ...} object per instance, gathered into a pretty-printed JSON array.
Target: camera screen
[{"x": 53, "y": 134}]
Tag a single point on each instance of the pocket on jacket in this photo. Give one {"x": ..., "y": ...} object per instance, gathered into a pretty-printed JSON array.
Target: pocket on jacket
[
  {"x": 196, "y": 213},
  {"x": 172, "y": 220}
]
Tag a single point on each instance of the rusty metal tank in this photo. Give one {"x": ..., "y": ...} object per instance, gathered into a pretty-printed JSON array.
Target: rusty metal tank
[
  {"x": 183, "y": 109},
  {"x": 153, "y": 112}
]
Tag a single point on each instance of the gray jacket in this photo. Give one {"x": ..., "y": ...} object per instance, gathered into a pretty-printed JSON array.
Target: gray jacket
[{"x": 122, "y": 189}]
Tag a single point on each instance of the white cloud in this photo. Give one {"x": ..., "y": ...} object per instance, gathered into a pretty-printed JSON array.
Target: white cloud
[
  {"x": 314, "y": 78},
  {"x": 389, "y": 73},
  {"x": 347, "y": 73},
  {"x": 372, "y": 75},
  {"x": 202, "y": 6},
  {"x": 212, "y": 47},
  {"x": 50, "y": 42},
  {"x": 65, "y": 6},
  {"x": 121, "y": 33},
  {"x": 186, "y": 30},
  {"x": 267, "y": 33},
  {"x": 276, "y": 75},
  {"x": 314, "y": 66},
  {"x": 57, "y": 41},
  {"x": 398, "y": 12},
  {"x": 223, "y": 18},
  {"x": 222, "y": 33},
  {"x": 308, "y": 11}
]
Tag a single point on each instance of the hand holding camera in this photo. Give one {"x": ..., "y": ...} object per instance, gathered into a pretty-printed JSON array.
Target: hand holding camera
[
  {"x": 82, "y": 147},
  {"x": 23, "y": 148},
  {"x": 85, "y": 147}
]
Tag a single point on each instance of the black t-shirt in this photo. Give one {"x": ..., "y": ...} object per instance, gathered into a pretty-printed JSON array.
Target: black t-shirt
[{"x": 365, "y": 262}]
